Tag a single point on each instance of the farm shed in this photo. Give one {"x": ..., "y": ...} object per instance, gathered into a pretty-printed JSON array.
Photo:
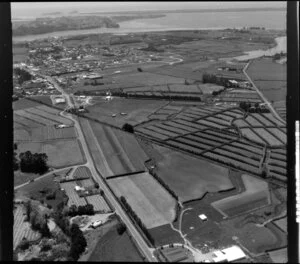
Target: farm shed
[
  {"x": 203, "y": 217},
  {"x": 229, "y": 254}
]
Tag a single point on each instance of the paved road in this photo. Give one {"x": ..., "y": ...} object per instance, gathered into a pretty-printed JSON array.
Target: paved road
[
  {"x": 261, "y": 94},
  {"x": 147, "y": 252}
]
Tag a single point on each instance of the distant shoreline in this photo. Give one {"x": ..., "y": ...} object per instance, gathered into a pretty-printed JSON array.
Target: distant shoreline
[{"x": 211, "y": 10}]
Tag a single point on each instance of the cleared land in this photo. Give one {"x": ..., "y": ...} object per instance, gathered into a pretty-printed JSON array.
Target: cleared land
[
  {"x": 151, "y": 202},
  {"x": 119, "y": 151},
  {"x": 137, "y": 111},
  {"x": 190, "y": 178},
  {"x": 279, "y": 256},
  {"x": 61, "y": 153},
  {"x": 255, "y": 196}
]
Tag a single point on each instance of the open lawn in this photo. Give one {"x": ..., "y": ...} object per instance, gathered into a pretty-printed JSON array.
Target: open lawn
[
  {"x": 151, "y": 202},
  {"x": 23, "y": 104},
  {"x": 255, "y": 196},
  {"x": 61, "y": 153},
  {"x": 269, "y": 77},
  {"x": 21, "y": 177},
  {"x": 190, "y": 178},
  {"x": 137, "y": 111},
  {"x": 38, "y": 190},
  {"x": 114, "y": 247},
  {"x": 279, "y": 256}
]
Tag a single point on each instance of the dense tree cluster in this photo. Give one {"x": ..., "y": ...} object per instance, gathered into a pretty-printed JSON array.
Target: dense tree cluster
[
  {"x": 23, "y": 75},
  {"x": 121, "y": 228},
  {"x": 128, "y": 128},
  {"x": 253, "y": 108},
  {"x": 212, "y": 78},
  {"x": 78, "y": 242},
  {"x": 136, "y": 219},
  {"x": 38, "y": 221},
  {"x": 34, "y": 163},
  {"x": 87, "y": 209}
]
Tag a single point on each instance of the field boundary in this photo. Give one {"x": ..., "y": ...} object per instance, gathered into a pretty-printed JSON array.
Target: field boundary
[{"x": 124, "y": 174}]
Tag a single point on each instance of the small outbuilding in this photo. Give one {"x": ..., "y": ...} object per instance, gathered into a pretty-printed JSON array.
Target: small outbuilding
[{"x": 203, "y": 217}]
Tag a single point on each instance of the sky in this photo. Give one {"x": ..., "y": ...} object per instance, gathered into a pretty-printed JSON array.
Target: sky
[{"x": 25, "y": 8}]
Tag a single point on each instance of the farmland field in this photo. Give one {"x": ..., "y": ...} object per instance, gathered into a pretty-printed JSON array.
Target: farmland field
[
  {"x": 279, "y": 256},
  {"x": 74, "y": 198},
  {"x": 270, "y": 78},
  {"x": 136, "y": 111},
  {"x": 255, "y": 196},
  {"x": 61, "y": 153},
  {"x": 190, "y": 178},
  {"x": 82, "y": 172},
  {"x": 282, "y": 223},
  {"x": 23, "y": 104},
  {"x": 151, "y": 202},
  {"x": 98, "y": 202},
  {"x": 120, "y": 150},
  {"x": 21, "y": 228}
]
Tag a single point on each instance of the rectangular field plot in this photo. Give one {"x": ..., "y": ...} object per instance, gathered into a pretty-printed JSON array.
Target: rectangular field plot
[
  {"x": 86, "y": 183},
  {"x": 51, "y": 133},
  {"x": 184, "y": 88},
  {"x": 162, "y": 131},
  {"x": 210, "y": 123},
  {"x": 272, "y": 141},
  {"x": 273, "y": 119},
  {"x": 50, "y": 116},
  {"x": 82, "y": 172},
  {"x": 211, "y": 142},
  {"x": 252, "y": 121},
  {"x": 74, "y": 198},
  {"x": 175, "y": 124},
  {"x": 21, "y": 228},
  {"x": 36, "y": 118},
  {"x": 262, "y": 120},
  {"x": 98, "y": 202},
  {"x": 61, "y": 153},
  {"x": 233, "y": 162},
  {"x": 255, "y": 196},
  {"x": 150, "y": 201},
  {"x": 177, "y": 130},
  {"x": 248, "y": 133},
  {"x": 189, "y": 177},
  {"x": 278, "y": 133},
  {"x": 23, "y": 122},
  {"x": 190, "y": 124},
  {"x": 282, "y": 223},
  {"x": 151, "y": 133},
  {"x": 118, "y": 151}
]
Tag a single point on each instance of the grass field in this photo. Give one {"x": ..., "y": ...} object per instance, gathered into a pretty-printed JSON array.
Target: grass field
[
  {"x": 61, "y": 153},
  {"x": 279, "y": 256},
  {"x": 136, "y": 110},
  {"x": 33, "y": 190},
  {"x": 269, "y": 77},
  {"x": 23, "y": 104},
  {"x": 256, "y": 195},
  {"x": 82, "y": 172},
  {"x": 119, "y": 152},
  {"x": 282, "y": 223},
  {"x": 113, "y": 247},
  {"x": 151, "y": 202},
  {"x": 190, "y": 178}
]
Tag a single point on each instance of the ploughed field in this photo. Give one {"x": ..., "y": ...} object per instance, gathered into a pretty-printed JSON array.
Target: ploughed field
[
  {"x": 22, "y": 229},
  {"x": 150, "y": 201},
  {"x": 114, "y": 151},
  {"x": 190, "y": 178}
]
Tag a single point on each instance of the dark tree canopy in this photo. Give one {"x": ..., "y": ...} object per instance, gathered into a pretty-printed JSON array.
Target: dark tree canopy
[
  {"x": 35, "y": 163},
  {"x": 127, "y": 127}
]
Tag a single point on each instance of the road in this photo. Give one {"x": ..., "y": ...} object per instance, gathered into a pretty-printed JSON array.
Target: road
[
  {"x": 147, "y": 252},
  {"x": 262, "y": 95},
  {"x": 43, "y": 176}
]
